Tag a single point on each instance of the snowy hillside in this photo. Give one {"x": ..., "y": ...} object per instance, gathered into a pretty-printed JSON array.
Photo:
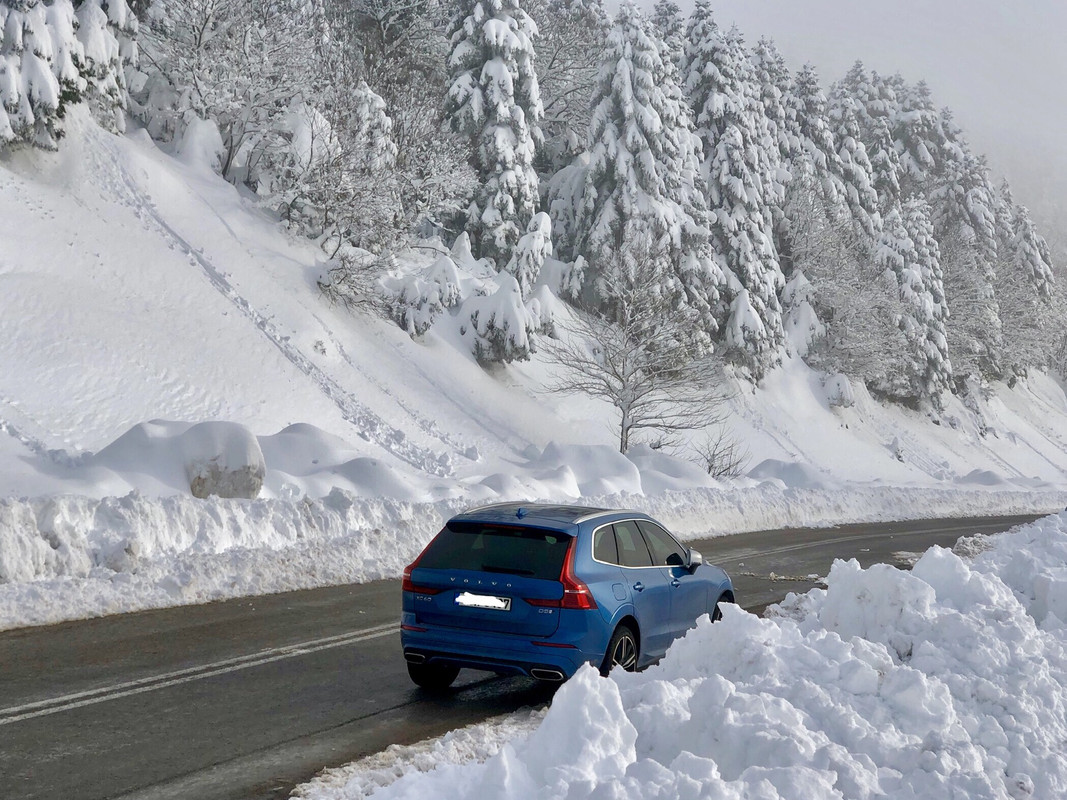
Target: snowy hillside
[{"x": 140, "y": 294}]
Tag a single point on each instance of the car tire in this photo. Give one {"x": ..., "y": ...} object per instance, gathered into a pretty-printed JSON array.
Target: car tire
[
  {"x": 716, "y": 614},
  {"x": 432, "y": 677},
  {"x": 622, "y": 651}
]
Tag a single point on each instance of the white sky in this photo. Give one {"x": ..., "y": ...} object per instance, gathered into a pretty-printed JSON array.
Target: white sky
[{"x": 1000, "y": 65}]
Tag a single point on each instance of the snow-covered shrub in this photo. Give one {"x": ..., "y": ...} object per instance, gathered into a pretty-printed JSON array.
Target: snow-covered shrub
[
  {"x": 802, "y": 324},
  {"x": 839, "y": 392},
  {"x": 464, "y": 258},
  {"x": 39, "y": 77},
  {"x": 201, "y": 146},
  {"x": 501, "y": 326},
  {"x": 417, "y": 300},
  {"x": 529, "y": 255},
  {"x": 732, "y": 125}
]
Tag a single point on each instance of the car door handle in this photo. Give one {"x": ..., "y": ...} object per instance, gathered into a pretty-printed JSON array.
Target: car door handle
[
  {"x": 639, "y": 587},
  {"x": 676, "y": 582}
]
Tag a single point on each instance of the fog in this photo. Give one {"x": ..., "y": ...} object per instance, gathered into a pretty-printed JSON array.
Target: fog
[{"x": 999, "y": 65}]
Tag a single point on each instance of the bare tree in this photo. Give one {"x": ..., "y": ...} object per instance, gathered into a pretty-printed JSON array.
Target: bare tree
[
  {"x": 647, "y": 358},
  {"x": 353, "y": 279},
  {"x": 721, "y": 453}
]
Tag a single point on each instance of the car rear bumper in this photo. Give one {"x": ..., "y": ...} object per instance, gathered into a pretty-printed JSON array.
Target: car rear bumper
[{"x": 503, "y": 653}]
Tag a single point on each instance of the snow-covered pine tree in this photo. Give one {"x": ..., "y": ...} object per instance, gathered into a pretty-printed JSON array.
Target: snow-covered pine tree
[
  {"x": 1031, "y": 253},
  {"x": 919, "y": 134},
  {"x": 808, "y": 122},
  {"x": 494, "y": 100},
  {"x": 773, "y": 79},
  {"x": 564, "y": 197},
  {"x": 963, "y": 199},
  {"x": 898, "y": 258},
  {"x": 1025, "y": 288},
  {"x": 39, "y": 77},
  {"x": 107, "y": 30},
  {"x": 874, "y": 97},
  {"x": 885, "y": 166},
  {"x": 373, "y": 129},
  {"x": 721, "y": 89},
  {"x": 669, "y": 26},
  {"x": 642, "y": 189},
  {"x": 934, "y": 370},
  {"x": 856, "y": 170}
]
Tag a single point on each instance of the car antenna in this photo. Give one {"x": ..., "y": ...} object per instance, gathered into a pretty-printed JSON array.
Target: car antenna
[{"x": 520, "y": 513}]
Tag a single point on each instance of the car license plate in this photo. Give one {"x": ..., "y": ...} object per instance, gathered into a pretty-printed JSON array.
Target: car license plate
[{"x": 469, "y": 600}]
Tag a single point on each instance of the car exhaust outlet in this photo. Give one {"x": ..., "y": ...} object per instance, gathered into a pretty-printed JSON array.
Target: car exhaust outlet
[
  {"x": 547, "y": 674},
  {"x": 415, "y": 658}
]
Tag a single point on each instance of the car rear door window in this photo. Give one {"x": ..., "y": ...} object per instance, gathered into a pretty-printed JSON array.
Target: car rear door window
[
  {"x": 512, "y": 550},
  {"x": 604, "y": 548},
  {"x": 631, "y": 545},
  {"x": 665, "y": 550}
]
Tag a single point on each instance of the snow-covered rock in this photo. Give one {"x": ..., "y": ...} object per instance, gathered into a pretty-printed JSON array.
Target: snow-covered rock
[
  {"x": 208, "y": 458},
  {"x": 223, "y": 459}
]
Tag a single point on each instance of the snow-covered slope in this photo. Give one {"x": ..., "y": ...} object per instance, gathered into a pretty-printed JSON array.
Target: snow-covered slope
[{"x": 140, "y": 294}]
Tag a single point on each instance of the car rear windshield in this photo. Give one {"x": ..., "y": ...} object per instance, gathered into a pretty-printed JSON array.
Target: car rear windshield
[{"x": 510, "y": 550}]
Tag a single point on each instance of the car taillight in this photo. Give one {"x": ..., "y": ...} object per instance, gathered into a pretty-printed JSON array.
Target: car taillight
[
  {"x": 408, "y": 586},
  {"x": 575, "y": 593}
]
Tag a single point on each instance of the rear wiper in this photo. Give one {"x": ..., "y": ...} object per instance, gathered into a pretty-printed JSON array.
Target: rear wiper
[{"x": 507, "y": 570}]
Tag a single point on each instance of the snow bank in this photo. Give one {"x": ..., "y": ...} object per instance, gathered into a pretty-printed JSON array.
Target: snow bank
[
  {"x": 71, "y": 557},
  {"x": 946, "y": 681},
  {"x": 75, "y": 557}
]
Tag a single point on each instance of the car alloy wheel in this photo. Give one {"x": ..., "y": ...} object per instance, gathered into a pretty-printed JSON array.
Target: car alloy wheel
[{"x": 622, "y": 651}]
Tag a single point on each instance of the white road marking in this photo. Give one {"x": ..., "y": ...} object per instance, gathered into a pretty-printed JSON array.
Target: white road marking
[{"x": 68, "y": 702}]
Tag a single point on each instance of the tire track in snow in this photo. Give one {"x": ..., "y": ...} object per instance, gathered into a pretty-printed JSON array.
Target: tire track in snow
[{"x": 370, "y": 426}]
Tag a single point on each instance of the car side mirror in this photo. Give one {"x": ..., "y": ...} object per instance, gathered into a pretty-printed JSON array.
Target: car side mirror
[{"x": 695, "y": 560}]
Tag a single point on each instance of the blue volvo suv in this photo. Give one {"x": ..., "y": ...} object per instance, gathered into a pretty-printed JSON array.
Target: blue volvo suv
[{"x": 540, "y": 590}]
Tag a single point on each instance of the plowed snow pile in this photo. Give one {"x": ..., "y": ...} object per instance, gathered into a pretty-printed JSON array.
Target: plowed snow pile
[{"x": 948, "y": 681}]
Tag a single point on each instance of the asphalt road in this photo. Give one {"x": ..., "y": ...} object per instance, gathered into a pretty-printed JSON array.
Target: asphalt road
[{"x": 246, "y": 698}]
